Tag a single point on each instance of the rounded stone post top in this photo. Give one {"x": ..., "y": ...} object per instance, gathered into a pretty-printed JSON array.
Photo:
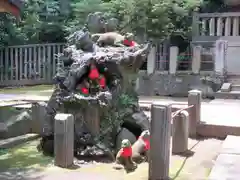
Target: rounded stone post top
[
  {"x": 194, "y": 91},
  {"x": 174, "y": 47},
  {"x": 160, "y": 104},
  {"x": 62, "y": 116}
]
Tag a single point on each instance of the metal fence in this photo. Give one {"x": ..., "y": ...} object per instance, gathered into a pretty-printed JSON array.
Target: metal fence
[{"x": 28, "y": 64}]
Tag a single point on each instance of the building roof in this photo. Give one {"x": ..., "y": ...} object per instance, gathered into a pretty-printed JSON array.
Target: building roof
[{"x": 18, "y": 3}]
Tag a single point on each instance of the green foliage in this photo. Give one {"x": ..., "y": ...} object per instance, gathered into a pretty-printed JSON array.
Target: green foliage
[
  {"x": 113, "y": 118},
  {"x": 42, "y": 20},
  {"x": 156, "y": 18}
]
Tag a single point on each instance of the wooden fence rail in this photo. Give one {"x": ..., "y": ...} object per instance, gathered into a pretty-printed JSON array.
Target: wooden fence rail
[{"x": 28, "y": 64}]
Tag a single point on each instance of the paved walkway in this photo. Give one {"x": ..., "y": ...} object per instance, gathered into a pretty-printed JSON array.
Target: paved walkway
[
  {"x": 217, "y": 112},
  {"x": 227, "y": 164},
  {"x": 75, "y": 176}
]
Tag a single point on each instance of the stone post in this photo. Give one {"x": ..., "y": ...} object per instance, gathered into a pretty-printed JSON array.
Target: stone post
[
  {"x": 39, "y": 122},
  {"x": 195, "y": 24},
  {"x": 194, "y": 98},
  {"x": 64, "y": 140},
  {"x": 220, "y": 57},
  {"x": 180, "y": 132},
  {"x": 151, "y": 61},
  {"x": 160, "y": 142},
  {"x": 173, "y": 59},
  {"x": 196, "y": 59}
]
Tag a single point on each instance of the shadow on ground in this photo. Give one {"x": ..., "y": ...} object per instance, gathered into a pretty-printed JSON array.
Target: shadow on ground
[{"x": 26, "y": 163}]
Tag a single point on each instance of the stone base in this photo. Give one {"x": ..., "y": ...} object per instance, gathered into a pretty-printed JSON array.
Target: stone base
[{"x": 177, "y": 85}]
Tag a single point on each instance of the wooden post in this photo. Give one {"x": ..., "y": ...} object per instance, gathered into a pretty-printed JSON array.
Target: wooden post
[
  {"x": 64, "y": 140},
  {"x": 180, "y": 133},
  {"x": 194, "y": 98},
  {"x": 160, "y": 142},
  {"x": 173, "y": 59}
]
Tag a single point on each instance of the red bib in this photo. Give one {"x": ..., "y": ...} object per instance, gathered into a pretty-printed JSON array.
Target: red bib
[
  {"x": 126, "y": 152},
  {"x": 94, "y": 74},
  {"x": 147, "y": 143},
  {"x": 102, "y": 82},
  {"x": 84, "y": 90},
  {"x": 128, "y": 43}
]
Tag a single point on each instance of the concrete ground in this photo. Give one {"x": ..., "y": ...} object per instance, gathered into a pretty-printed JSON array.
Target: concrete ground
[
  {"x": 195, "y": 166},
  {"x": 228, "y": 161},
  {"x": 217, "y": 112},
  {"x": 26, "y": 163}
]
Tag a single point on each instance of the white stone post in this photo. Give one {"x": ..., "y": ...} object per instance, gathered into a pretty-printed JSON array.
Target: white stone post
[
  {"x": 180, "y": 132},
  {"x": 173, "y": 59},
  {"x": 220, "y": 57},
  {"x": 196, "y": 59},
  {"x": 160, "y": 142},
  {"x": 40, "y": 125},
  {"x": 151, "y": 61},
  {"x": 194, "y": 98},
  {"x": 64, "y": 140}
]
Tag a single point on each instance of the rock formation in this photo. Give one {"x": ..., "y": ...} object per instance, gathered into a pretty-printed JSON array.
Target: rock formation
[{"x": 97, "y": 83}]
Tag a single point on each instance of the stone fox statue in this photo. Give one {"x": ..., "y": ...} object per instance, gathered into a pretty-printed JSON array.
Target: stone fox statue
[
  {"x": 140, "y": 149},
  {"x": 108, "y": 38},
  {"x": 112, "y": 39},
  {"x": 124, "y": 156}
]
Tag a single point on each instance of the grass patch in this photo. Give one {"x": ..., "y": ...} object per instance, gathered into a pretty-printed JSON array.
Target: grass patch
[
  {"x": 25, "y": 89},
  {"x": 25, "y": 156}
]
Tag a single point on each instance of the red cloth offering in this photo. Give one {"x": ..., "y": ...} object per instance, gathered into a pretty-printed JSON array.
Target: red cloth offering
[
  {"x": 102, "y": 82},
  {"x": 147, "y": 143},
  {"x": 94, "y": 74},
  {"x": 128, "y": 43},
  {"x": 84, "y": 90},
  {"x": 126, "y": 152}
]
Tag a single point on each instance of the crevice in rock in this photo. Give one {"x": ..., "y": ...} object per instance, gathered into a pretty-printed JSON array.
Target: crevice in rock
[{"x": 133, "y": 128}]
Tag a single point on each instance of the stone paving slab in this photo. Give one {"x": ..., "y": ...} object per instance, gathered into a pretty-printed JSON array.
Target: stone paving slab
[
  {"x": 231, "y": 145},
  {"x": 227, "y": 167}
]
